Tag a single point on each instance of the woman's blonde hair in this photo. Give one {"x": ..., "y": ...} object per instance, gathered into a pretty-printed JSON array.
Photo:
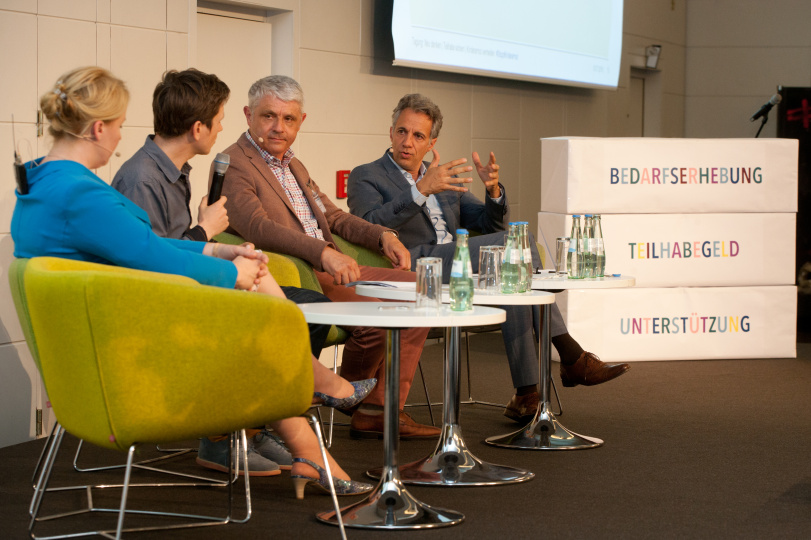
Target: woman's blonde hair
[{"x": 81, "y": 97}]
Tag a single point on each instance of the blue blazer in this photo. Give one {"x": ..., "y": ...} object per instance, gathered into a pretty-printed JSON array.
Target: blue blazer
[{"x": 379, "y": 193}]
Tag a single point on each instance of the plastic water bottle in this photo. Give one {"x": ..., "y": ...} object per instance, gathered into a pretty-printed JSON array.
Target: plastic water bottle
[
  {"x": 599, "y": 267},
  {"x": 510, "y": 272},
  {"x": 461, "y": 285},
  {"x": 574, "y": 258},
  {"x": 527, "y": 255},
  {"x": 589, "y": 247}
]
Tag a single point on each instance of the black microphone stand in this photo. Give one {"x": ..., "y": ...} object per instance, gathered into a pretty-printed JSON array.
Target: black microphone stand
[{"x": 764, "y": 119}]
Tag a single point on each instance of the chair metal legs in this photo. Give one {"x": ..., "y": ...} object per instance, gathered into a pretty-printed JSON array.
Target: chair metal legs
[
  {"x": 331, "y": 410},
  {"x": 427, "y": 397},
  {"x": 46, "y": 468},
  {"x": 470, "y": 400},
  {"x": 143, "y": 464},
  {"x": 320, "y": 436}
]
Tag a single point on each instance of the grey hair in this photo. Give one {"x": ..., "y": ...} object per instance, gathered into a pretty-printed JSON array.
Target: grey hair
[
  {"x": 421, "y": 104},
  {"x": 279, "y": 86}
]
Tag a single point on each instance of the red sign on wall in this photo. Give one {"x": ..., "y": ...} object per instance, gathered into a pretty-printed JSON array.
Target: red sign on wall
[{"x": 340, "y": 184}]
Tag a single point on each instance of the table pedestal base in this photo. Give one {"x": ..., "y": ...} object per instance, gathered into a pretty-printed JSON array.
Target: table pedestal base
[
  {"x": 544, "y": 433},
  {"x": 391, "y": 506},
  {"x": 452, "y": 464}
]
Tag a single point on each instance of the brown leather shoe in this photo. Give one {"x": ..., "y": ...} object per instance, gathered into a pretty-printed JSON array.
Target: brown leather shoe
[
  {"x": 590, "y": 370},
  {"x": 370, "y": 426},
  {"x": 522, "y": 408}
]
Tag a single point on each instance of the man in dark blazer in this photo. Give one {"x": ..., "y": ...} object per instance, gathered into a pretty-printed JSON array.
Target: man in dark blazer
[
  {"x": 273, "y": 202},
  {"x": 427, "y": 202}
]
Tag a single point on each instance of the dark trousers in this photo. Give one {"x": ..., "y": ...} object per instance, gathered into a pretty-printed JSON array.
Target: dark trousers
[
  {"x": 318, "y": 332},
  {"x": 517, "y": 330}
]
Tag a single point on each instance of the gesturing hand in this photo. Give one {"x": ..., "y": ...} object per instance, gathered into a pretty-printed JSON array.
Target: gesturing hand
[
  {"x": 488, "y": 174},
  {"x": 439, "y": 178}
]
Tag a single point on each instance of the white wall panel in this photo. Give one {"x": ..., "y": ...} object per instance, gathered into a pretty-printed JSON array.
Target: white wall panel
[
  {"x": 177, "y": 51},
  {"x": 331, "y": 26},
  {"x": 138, "y": 56},
  {"x": 103, "y": 11},
  {"x": 103, "y": 37},
  {"x": 84, "y": 10},
  {"x": 748, "y": 23},
  {"x": 337, "y": 87},
  {"x": 18, "y": 38},
  {"x": 177, "y": 15},
  {"x": 62, "y": 44},
  {"x": 143, "y": 13},
  {"x": 495, "y": 112},
  {"x": 25, "y": 6},
  {"x": 26, "y": 141},
  {"x": 746, "y": 71}
]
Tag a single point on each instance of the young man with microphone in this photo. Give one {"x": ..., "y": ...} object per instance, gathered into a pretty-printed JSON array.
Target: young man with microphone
[{"x": 187, "y": 108}]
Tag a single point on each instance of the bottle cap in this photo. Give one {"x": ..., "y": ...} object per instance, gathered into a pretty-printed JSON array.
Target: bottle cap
[
  {"x": 461, "y": 231},
  {"x": 616, "y": 275},
  {"x": 589, "y": 215},
  {"x": 576, "y": 216}
]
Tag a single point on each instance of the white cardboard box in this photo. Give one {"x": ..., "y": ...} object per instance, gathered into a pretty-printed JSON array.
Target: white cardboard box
[
  {"x": 694, "y": 250},
  {"x": 649, "y": 175},
  {"x": 683, "y": 323}
]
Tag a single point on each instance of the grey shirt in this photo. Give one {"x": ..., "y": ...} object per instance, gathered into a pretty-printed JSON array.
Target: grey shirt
[{"x": 153, "y": 182}]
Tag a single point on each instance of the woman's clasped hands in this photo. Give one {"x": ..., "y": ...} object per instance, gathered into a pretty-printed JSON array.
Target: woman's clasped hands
[{"x": 251, "y": 263}]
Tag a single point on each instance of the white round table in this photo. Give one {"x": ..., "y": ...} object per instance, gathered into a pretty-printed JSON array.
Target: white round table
[
  {"x": 452, "y": 463},
  {"x": 390, "y": 505},
  {"x": 545, "y": 432}
]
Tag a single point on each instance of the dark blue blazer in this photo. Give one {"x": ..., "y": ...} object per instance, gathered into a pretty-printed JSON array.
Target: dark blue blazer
[{"x": 379, "y": 193}]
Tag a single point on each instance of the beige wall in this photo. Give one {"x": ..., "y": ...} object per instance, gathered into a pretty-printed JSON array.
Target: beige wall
[
  {"x": 40, "y": 39},
  {"x": 328, "y": 45},
  {"x": 738, "y": 51}
]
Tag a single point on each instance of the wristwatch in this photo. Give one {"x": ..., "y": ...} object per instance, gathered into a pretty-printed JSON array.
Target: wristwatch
[{"x": 380, "y": 240}]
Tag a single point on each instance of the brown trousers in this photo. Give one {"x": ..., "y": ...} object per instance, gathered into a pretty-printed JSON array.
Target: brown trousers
[{"x": 365, "y": 350}]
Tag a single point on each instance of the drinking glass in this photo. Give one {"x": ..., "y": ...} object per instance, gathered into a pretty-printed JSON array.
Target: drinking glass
[
  {"x": 490, "y": 268},
  {"x": 429, "y": 283},
  {"x": 561, "y": 248}
]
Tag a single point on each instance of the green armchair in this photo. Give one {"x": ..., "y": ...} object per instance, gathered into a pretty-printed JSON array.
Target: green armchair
[
  {"x": 128, "y": 357},
  {"x": 306, "y": 279}
]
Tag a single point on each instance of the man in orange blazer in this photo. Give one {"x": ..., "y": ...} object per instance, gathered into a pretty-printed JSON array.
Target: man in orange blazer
[{"x": 273, "y": 202}]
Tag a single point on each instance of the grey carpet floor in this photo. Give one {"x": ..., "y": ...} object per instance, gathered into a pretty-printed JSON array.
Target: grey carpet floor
[{"x": 700, "y": 449}]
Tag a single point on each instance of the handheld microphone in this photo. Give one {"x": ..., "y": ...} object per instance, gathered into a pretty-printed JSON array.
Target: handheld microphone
[
  {"x": 764, "y": 110},
  {"x": 221, "y": 163}
]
